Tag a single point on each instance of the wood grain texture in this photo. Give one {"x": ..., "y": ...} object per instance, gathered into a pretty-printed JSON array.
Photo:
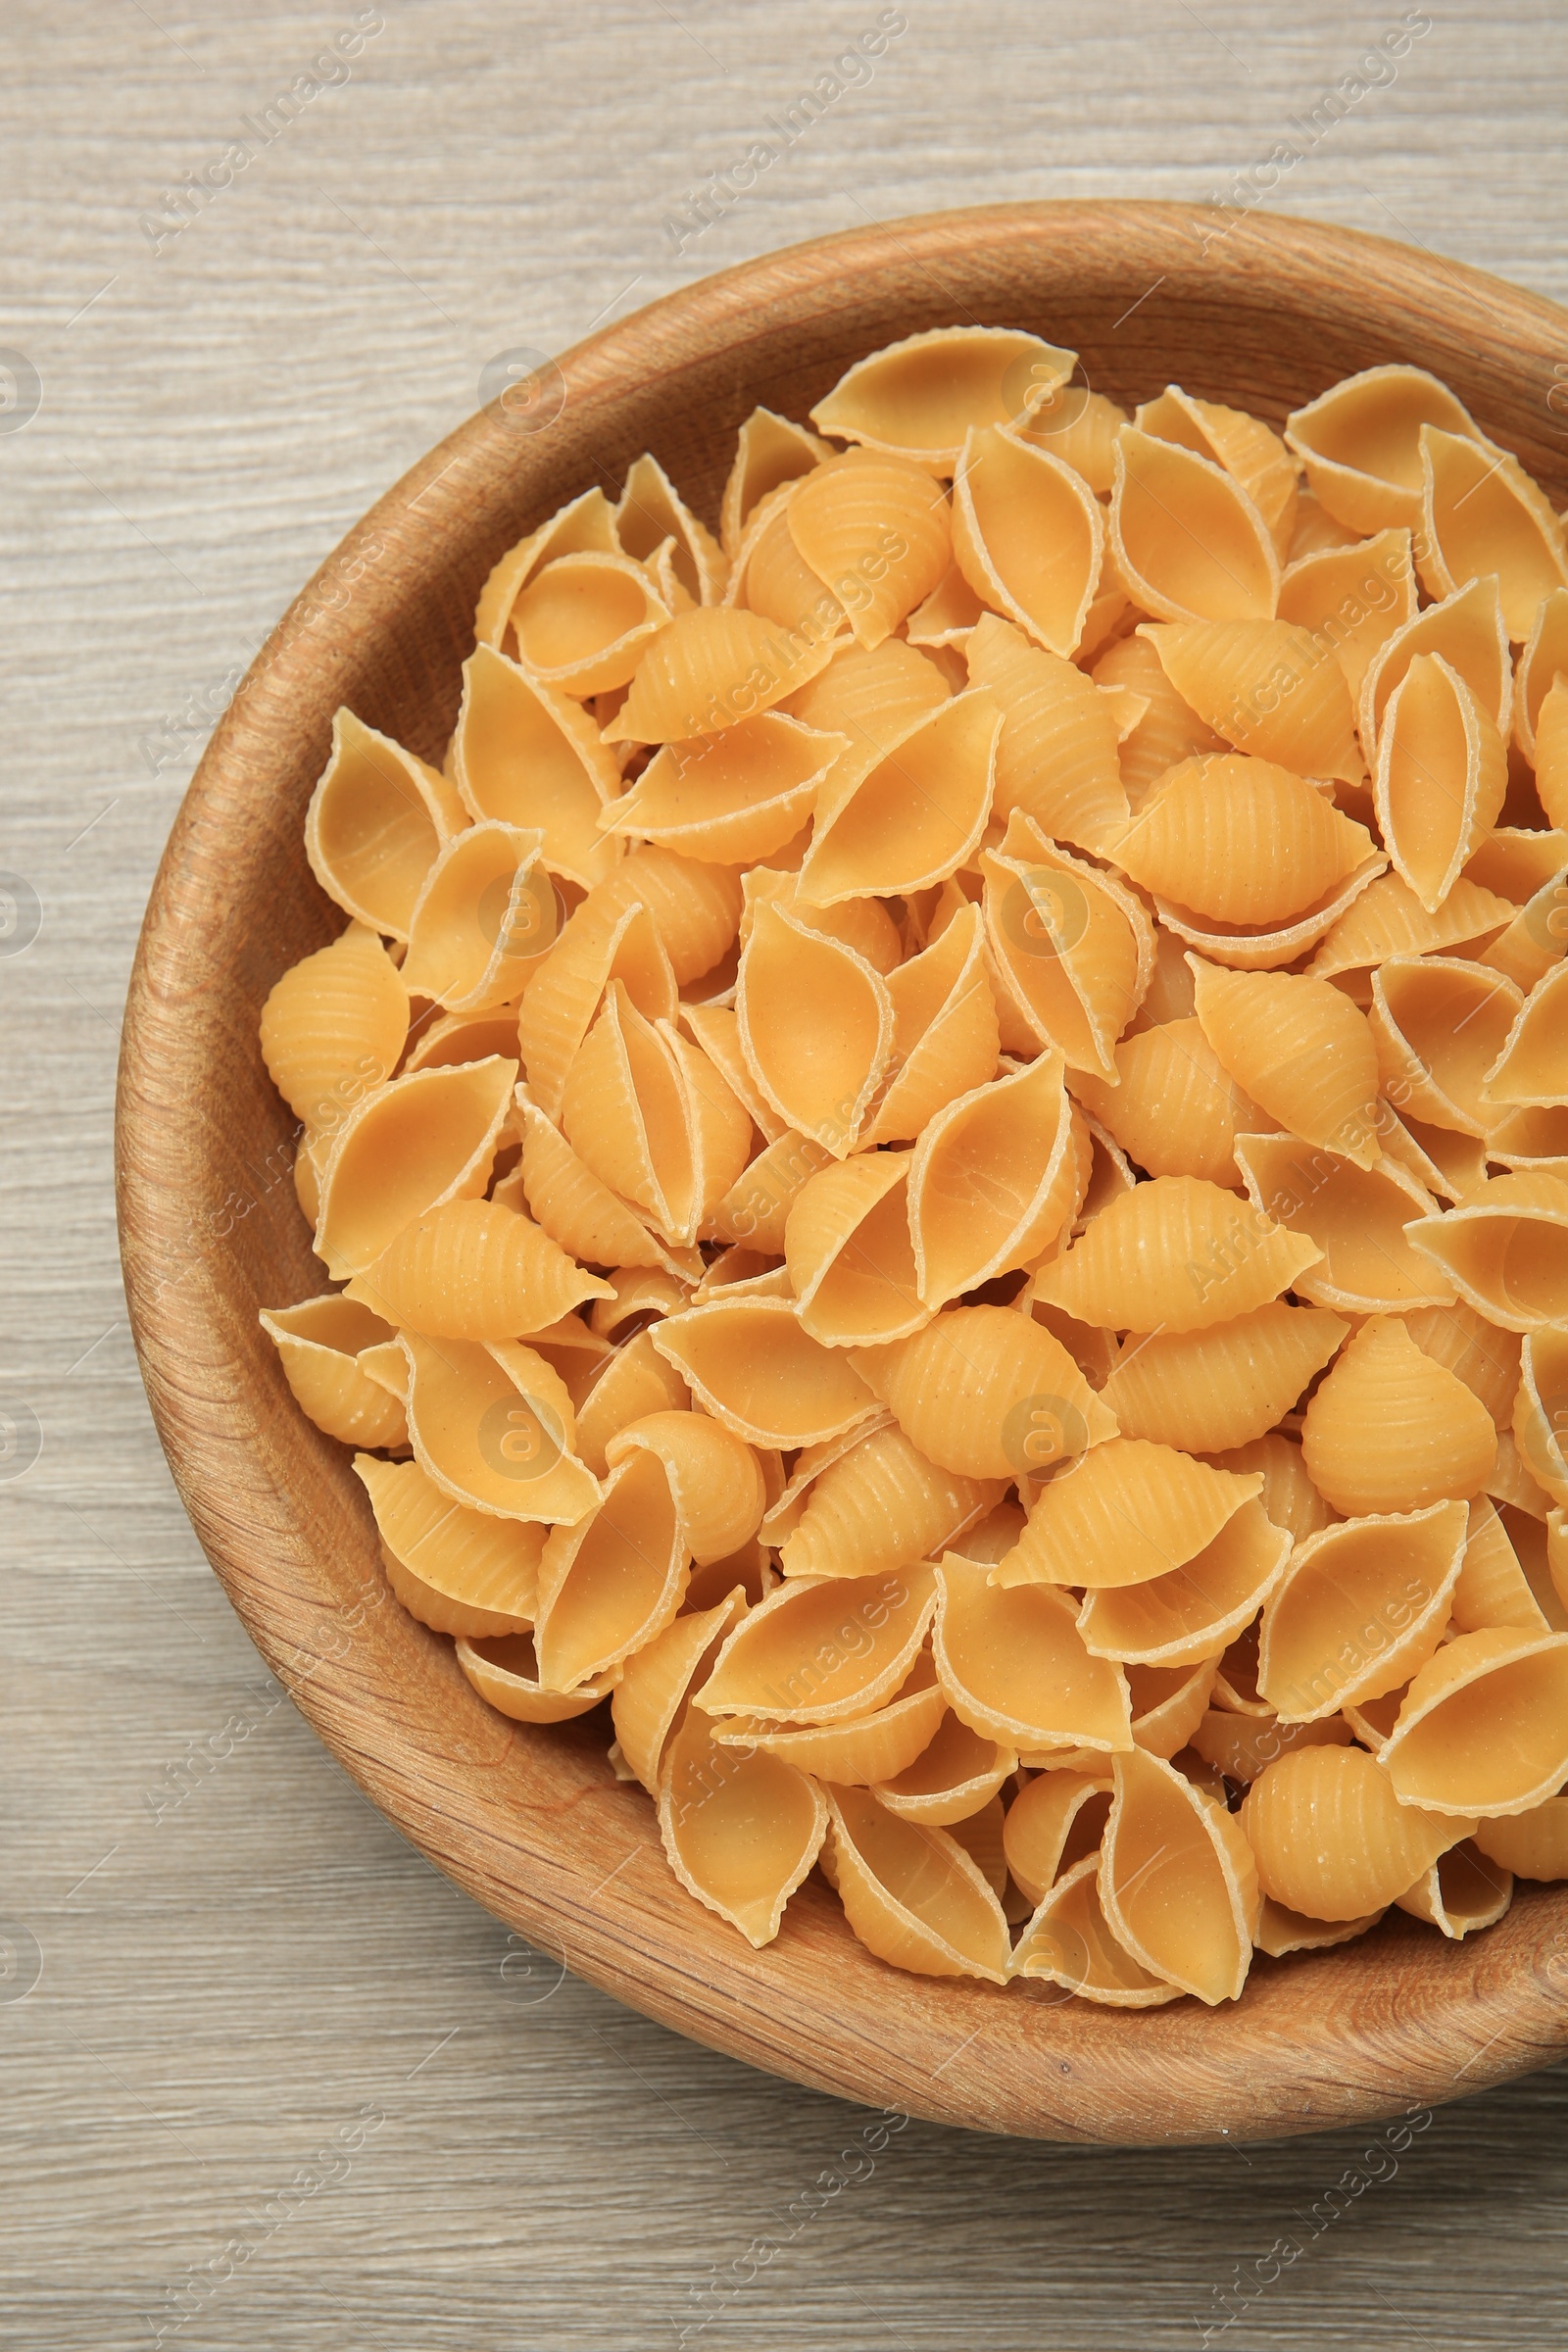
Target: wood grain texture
[{"x": 256, "y": 1953}]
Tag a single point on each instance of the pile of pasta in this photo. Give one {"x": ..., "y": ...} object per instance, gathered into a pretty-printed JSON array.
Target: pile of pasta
[{"x": 940, "y": 1148}]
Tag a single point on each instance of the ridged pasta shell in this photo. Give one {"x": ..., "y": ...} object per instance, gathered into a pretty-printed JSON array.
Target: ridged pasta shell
[
  {"x": 1439, "y": 1023},
  {"x": 713, "y": 1477},
  {"x": 1388, "y": 919},
  {"x": 1532, "y": 1845},
  {"x": 695, "y": 908},
  {"x": 1361, "y": 443},
  {"x": 1068, "y": 1942},
  {"x": 1390, "y": 1429},
  {"x": 1351, "y": 599},
  {"x": 456, "y": 1037},
  {"x": 1186, "y": 540},
  {"x": 770, "y": 451},
  {"x": 871, "y": 693},
  {"x": 583, "y": 622},
  {"x": 1358, "y": 1609},
  {"x": 907, "y": 813},
  {"x": 1072, "y": 948},
  {"x": 919, "y": 397},
  {"x": 987, "y": 1393},
  {"x": 816, "y": 1026},
  {"x": 1524, "y": 1142},
  {"x": 1167, "y": 731},
  {"x": 333, "y": 1027},
  {"x": 524, "y": 753},
  {"x": 1540, "y": 1413},
  {"x": 1242, "y": 1746},
  {"x": 1461, "y": 1892},
  {"x": 319, "y": 1343},
  {"x": 1244, "y": 951},
  {"x": 1027, "y": 535},
  {"x": 1175, "y": 1109},
  {"x": 850, "y": 1261},
  {"x": 584, "y": 525},
  {"x": 650, "y": 1116},
  {"x": 878, "y": 1505},
  {"x": 652, "y": 511},
  {"x": 712, "y": 667},
  {"x": 651, "y": 1697},
  {"x": 756, "y": 1369},
  {"x": 1271, "y": 688},
  {"x": 1332, "y": 1838},
  {"x": 823, "y": 1649},
  {"x": 487, "y": 913},
  {"x": 1516, "y": 861},
  {"x": 1482, "y": 514},
  {"x": 1080, "y": 428},
  {"x": 582, "y": 1213},
  {"x": 463, "y": 1573},
  {"x": 505, "y": 1671},
  {"x": 1492, "y": 1587},
  {"x": 740, "y": 1830},
  {"x": 772, "y": 577},
  {"x": 1467, "y": 630},
  {"x": 377, "y": 820},
  {"x": 1242, "y": 444},
  {"x": 493, "y": 1427},
  {"x": 599, "y": 946},
  {"x": 1187, "y": 1615},
  {"x": 1441, "y": 777},
  {"x": 1532, "y": 1069},
  {"x": 1543, "y": 656},
  {"x": 1484, "y": 1728},
  {"x": 474, "y": 1270},
  {"x": 635, "y": 1293},
  {"x": 1208, "y": 1392},
  {"x": 615, "y": 1578},
  {"x": 993, "y": 1181},
  {"x": 635, "y": 1383},
  {"x": 413, "y": 1144},
  {"x": 956, "y": 1776},
  {"x": 716, "y": 1029},
  {"x": 877, "y": 532},
  {"x": 944, "y": 1033},
  {"x": 1053, "y": 1825},
  {"x": 1127, "y": 1512},
  {"x": 1174, "y": 1255},
  {"x": 733, "y": 797},
  {"x": 912, "y": 1895},
  {"x": 1289, "y": 1498},
  {"x": 1177, "y": 1880},
  {"x": 1299, "y": 1049},
  {"x": 1058, "y": 759},
  {"x": 755, "y": 1211},
  {"x": 1355, "y": 1217},
  {"x": 1015, "y": 1669},
  {"x": 1241, "y": 840}
]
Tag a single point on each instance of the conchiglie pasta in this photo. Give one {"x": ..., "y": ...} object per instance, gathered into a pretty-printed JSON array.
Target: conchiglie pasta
[
  {"x": 377, "y": 820},
  {"x": 1268, "y": 687},
  {"x": 1299, "y": 1049},
  {"x": 1241, "y": 840},
  {"x": 1361, "y": 443},
  {"x": 1359, "y": 1608},
  {"x": 879, "y": 1505},
  {"x": 1129, "y": 1511},
  {"x": 1332, "y": 1838},
  {"x": 1058, "y": 759},
  {"x": 1175, "y": 1108},
  {"x": 995, "y": 1179},
  {"x": 919, "y": 397},
  {"x": 413, "y": 1144},
  {"x": 1208, "y": 1392},
  {"x": 1028, "y": 536},
  {"x": 1392, "y": 1430},
  {"x": 525, "y": 753},
  {"x": 320, "y": 1344},
  {"x": 986, "y": 1393},
  {"x": 463, "y": 1572},
  {"x": 335, "y": 1027},
  {"x": 1071, "y": 949},
  {"x": 1174, "y": 1255},
  {"x": 1186, "y": 541},
  {"x": 1482, "y": 514}
]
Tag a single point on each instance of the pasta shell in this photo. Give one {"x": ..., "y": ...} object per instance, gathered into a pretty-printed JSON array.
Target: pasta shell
[
  {"x": 1355, "y": 1217},
  {"x": 1241, "y": 840},
  {"x": 1175, "y": 1108},
  {"x": 1289, "y": 1498},
  {"x": 740, "y": 1830},
  {"x": 317, "y": 1345},
  {"x": 1080, "y": 428},
  {"x": 652, "y": 511},
  {"x": 770, "y": 451},
  {"x": 1332, "y": 1838},
  {"x": 1168, "y": 730},
  {"x": 816, "y": 1026},
  {"x": 772, "y": 577},
  {"x": 487, "y": 913},
  {"x": 901, "y": 816},
  {"x": 456, "y": 1037},
  {"x": 505, "y": 1672},
  {"x": 1388, "y": 919},
  {"x": 946, "y": 616},
  {"x": 415, "y": 1144},
  {"x": 850, "y": 1262},
  {"x": 1058, "y": 759},
  {"x": 599, "y": 946},
  {"x": 583, "y": 622},
  {"x": 1533, "y": 940},
  {"x": 1484, "y": 1728},
  {"x": 1359, "y": 1608},
  {"x": 955, "y": 1776},
  {"x": 1533, "y": 1068},
  {"x": 493, "y": 1428},
  {"x": 635, "y": 1383},
  {"x": 474, "y": 1270},
  {"x": 824, "y": 1651},
  {"x": 1242, "y": 1746},
  {"x": 1208, "y": 1392},
  {"x": 1240, "y": 950},
  {"x": 1460, "y": 1893},
  {"x": 1016, "y": 1670},
  {"x": 1485, "y": 1358},
  {"x": 582, "y": 1213},
  {"x": 717, "y": 1030},
  {"x": 1439, "y": 1023},
  {"x": 912, "y": 1895},
  {"x": 755, "y": 1211},
  {"x": 1174, "y": 1255},
  {"x": 1027, "y": 535},
  {"x": 1127, "y": 1512},
  {"x": 1186, "y": 541},
  {"x": 334, "y": 1026},
  {"x": 944, "y": 1033},
  {"x": 1392, "y": 1430},
  {"x": 754, "y": 1367},
  {"x": 1177, "y": 1880},
  {"x": 876, "y": 1506},
  {"x": 712, "y": 668},
  {"x": 1361, "y": 443},
  {"x": 1242, "y": 444},
  {"x": 695, "y": 908},
  {"x": 987, "y": 1393},
  {"x": 1482, "y": 514},
  {"x": 713, "y": 1477},
  {"x": 1445, "y": 1164},
  {"x": 1532, "y": 1845},
  {"x": 1068, "y": 1942},
  {"x": 1540, "y": 1413},
  {"x": 732, "y": 797},
  {"x": 919, "y": 397},
  {"x": 1315, "y": 529},
  {"x": 1190, "y": 1613},
  {"x": 1299, "y": 1049},
  {"x": 1441, "y": 777},
  {"x": 1492, "y": 1587},
  {"x": 524, "y": 753},
  {"x": 585, "y": 525},
  {"x": 609, "y": 1583},
  {"x": 1351, "y": 599},
  {"x": 872, "y": 693},
  {"x": 877, "y": 532},
  {"x": 462, "y": 1572},
  {"x": 652, "y": 1118},
  {"x": 377, "y": 820},
  {"x": 1269, "y": 687},
  {"x": 1543, "y": 656},
  {"x": 1072, "y": 948},
  {"x": 1467, "y": 630},
  {"x": 993, "y": 1181},
  {"x": 1053, "y": 1825},
  {"x": 651, "y": 1696}
]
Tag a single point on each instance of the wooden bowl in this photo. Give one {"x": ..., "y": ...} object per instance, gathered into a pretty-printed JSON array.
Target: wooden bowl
[{"x": 530, "y": 1821}]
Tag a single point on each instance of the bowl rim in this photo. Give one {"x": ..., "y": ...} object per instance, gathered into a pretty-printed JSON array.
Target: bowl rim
[{"x": 1402, "y": 2027}]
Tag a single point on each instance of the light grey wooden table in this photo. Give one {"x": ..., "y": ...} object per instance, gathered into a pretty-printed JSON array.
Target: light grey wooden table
[{"x": 266, "y": 2074}]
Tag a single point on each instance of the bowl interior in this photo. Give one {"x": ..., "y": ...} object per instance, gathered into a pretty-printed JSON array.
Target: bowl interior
[{"x": 531, "y": 1821}]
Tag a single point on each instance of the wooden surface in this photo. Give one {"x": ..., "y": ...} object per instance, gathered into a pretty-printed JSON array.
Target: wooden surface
[{"x": 237, "y": 1954}]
